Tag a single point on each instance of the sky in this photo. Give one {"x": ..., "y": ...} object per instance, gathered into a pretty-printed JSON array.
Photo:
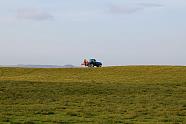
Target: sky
[{"x": 115, "y": 32}]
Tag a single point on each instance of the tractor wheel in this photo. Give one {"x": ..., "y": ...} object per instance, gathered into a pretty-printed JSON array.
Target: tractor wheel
[{"x": 90, "y": 65}]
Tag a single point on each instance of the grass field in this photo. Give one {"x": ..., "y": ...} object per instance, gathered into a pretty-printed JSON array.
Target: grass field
[{"x": 131, "y": 94}]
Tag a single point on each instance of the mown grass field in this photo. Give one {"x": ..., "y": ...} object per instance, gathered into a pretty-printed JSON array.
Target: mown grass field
[{"x": 131, "y": 94}]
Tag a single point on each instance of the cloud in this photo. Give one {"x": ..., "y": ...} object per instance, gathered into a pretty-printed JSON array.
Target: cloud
[
  {"x": 6, "y": 19},
  {"x": 115, "y": 9},
  {"x": 150, "y": 5},
  {"x": 33, "y": 14},
  {"x": 132, "y": 8}
]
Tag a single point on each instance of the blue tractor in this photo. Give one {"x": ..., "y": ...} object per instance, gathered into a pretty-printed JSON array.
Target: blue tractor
[{"x": 93, "y": 62}]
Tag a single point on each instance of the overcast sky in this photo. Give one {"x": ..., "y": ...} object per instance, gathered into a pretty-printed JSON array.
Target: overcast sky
[{"x": 116, "y": 32}]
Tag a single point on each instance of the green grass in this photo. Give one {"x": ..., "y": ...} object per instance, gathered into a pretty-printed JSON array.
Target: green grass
[{"x": 131, "y": 94}]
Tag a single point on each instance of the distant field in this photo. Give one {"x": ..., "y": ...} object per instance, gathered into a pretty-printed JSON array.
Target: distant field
[{"x": 131, "y": 94}]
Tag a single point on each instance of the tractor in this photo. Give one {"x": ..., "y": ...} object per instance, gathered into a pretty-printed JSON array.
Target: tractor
[{"x": 91, "y": 63}]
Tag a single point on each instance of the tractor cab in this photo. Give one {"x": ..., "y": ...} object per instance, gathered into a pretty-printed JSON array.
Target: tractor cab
[{"x": 92, "y": 60}]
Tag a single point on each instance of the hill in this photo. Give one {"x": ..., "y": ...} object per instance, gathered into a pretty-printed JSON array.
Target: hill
[
  {"x": 130, "y": 94},
  {"x": 40, "y": 66}
]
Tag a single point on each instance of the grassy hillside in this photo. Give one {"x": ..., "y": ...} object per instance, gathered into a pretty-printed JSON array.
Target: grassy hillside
[{"x": 143, "y": 94}]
